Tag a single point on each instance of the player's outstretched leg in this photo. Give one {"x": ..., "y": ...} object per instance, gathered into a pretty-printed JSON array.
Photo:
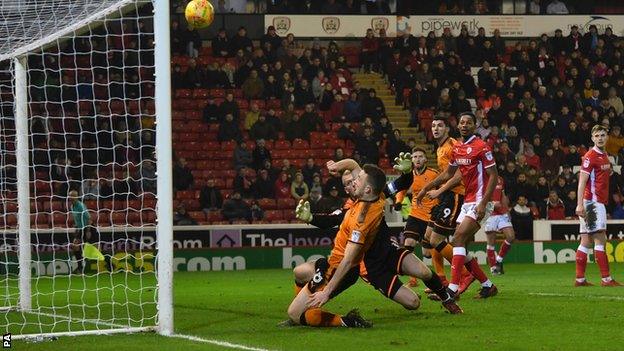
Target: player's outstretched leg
[{"x": 413, "y": 266}]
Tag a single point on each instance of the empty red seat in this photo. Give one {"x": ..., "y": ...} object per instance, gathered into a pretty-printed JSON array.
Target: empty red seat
[
  {"x": 289, "y": 215},
  {"x": 216, "y": 93},
  {"x": 282, "y": 145},
  {"x": 183, "y": 93},
  {"x": 187, "y": 194},
  {"x": 201, "y": 93},
  {"x": 228, "y": 146},
  {"x": 214, "y": 216},
  {"x": 273, "y": 215},
  {"x": 198, "y": 216},
  {"x": 267, "y": 204},
  {"x": 288, "y": 204},
  {"x": 299, "y": 144}
]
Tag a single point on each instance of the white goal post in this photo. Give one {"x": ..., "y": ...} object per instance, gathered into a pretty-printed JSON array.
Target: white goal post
[{"x": 86, "y": 196}]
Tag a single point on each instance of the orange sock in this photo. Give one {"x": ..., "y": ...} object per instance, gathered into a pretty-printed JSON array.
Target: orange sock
[
  {"x": 446, "y": 250},
  {"x": 315, "y": 317},
  {"x": 438, "y": 263}
]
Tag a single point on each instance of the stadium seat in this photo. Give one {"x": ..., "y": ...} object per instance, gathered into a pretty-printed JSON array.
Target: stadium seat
[
  {"x": 282, "y": 145},
  {"x": 183, "y": 93},
  {"x": 214, "y": 216},
  {"x": 198, "y": 216},
  {"x": 228, "y": 146},
  {"x": 286, "y": 204},
  {"x": 273, "y": 215},
  {"x": 267, "y": 204},
  {"x": 299, "y": 144}
]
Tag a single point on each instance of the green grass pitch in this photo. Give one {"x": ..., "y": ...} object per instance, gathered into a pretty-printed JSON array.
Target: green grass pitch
[{"x": 536, "y": 309}]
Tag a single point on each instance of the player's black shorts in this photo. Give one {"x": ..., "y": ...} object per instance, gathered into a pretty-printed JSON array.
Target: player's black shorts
[
  {"x": 349, "y": 279},
  {"x": 88, "y": 234},
  {"x": 445, "y": 213},
  {"x": 383, "y": 263},
  {"x": 415, "y": 228}
]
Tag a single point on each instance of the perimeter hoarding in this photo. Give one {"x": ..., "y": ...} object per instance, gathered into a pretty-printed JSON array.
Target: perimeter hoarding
[{"x": 354, "y": 26}]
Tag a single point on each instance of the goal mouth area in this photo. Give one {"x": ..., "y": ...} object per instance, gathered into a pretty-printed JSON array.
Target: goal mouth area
[{"x": 81, "y": 235}]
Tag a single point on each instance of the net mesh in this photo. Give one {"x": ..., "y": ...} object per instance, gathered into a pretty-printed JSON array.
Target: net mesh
[{"x": 91, "y": 121}]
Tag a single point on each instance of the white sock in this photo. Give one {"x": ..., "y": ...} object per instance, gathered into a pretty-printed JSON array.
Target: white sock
[
  {"x": 459, "y": 251},
  {"x": 491, "y": 247},
  {"x": 599, "y": 248},
  {"x": 607, "y": 279},
  {"x": 580, "y": 280},
  {"x": 453, "y": 287},
  {"x": 582, "y": 248},
  {"x": 499, "y": 259},
  {"x": 487, "y": 284}
]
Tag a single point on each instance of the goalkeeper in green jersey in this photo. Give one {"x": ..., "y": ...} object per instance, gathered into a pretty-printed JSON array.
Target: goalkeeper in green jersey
[{"x": 85, "y": 232}]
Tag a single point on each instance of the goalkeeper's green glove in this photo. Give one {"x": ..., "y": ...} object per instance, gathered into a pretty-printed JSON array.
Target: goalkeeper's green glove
[
  {"x": 302, "y": 212},
  {"x": 403, "y": 163}
]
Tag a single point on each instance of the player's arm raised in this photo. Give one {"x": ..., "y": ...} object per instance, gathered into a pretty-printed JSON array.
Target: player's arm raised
[
  {"x": 441, "y": 178},
  {"x": 583, "y": 178},
  {"x": 343, "y": 165},
  {"x": 351, "y": 253},
  {"x": 450, "y": 184}
]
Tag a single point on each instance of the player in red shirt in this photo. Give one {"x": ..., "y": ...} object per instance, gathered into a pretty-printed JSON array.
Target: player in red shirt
[
  {"x": 594, "y": 185},
  {"x": 476, "y": 163},
  {"x": 499, "y": 222}
]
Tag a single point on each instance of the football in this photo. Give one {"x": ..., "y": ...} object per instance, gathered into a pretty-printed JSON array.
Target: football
[{"x": 199, "y": 13}]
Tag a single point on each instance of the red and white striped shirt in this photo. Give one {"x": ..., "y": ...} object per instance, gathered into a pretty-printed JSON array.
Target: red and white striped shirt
[
  {"x": 596, "y": 164},
  {"x": 473, "y": 157}
]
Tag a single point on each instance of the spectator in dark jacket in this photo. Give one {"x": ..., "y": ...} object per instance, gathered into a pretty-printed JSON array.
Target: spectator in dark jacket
[
  {"x": 260, "y": 154},
  {"x": 235, "y": 208},
  {"x": 308, "y": 171},
  {"x": 210, "y": 198},
  {"x": 182, "y": 176},
  {"x": 296, "y": 129},
  {"x": 229, "y": 105},
  {"x": 242, "y": 156},
  {"x": 263, "y": 187},
  {"x": 221, "y": 44},
  {"x": 262, "y": 129},
  {"x": 372, "y": 106},
  {"x": 522, "y": 219},
  {"x": 229, "y": 129},
  {"x": 181, "y": 217}
]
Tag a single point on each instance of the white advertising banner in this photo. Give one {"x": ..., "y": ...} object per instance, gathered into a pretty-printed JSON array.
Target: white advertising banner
[
  {"x": 330, "y": 26},
  {"x": 509, "y": 26}
]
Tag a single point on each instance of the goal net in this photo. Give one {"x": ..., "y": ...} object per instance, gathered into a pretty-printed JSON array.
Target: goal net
[{"x": 81, "y": 250}]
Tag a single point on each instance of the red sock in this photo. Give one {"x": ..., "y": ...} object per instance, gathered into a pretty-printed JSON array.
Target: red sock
[
  {"x": 459, "y": 257},
  {"x": 581, "y": 262},
  {"x": 602, "y": 261},
  {"x": 474, "y": 268},
  {"x": 504, "y": 249},
  {"x": 491, "y": 256}
]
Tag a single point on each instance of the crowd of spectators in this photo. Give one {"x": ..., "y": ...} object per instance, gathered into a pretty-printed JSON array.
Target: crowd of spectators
[{"x": 536, "y": 102}]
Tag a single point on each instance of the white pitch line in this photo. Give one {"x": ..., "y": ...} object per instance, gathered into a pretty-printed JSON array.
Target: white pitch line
[
  {"x": 180, "y": 336},
  {"x": 218, "y": 343},
  {"x": 599, "y": 297}
]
